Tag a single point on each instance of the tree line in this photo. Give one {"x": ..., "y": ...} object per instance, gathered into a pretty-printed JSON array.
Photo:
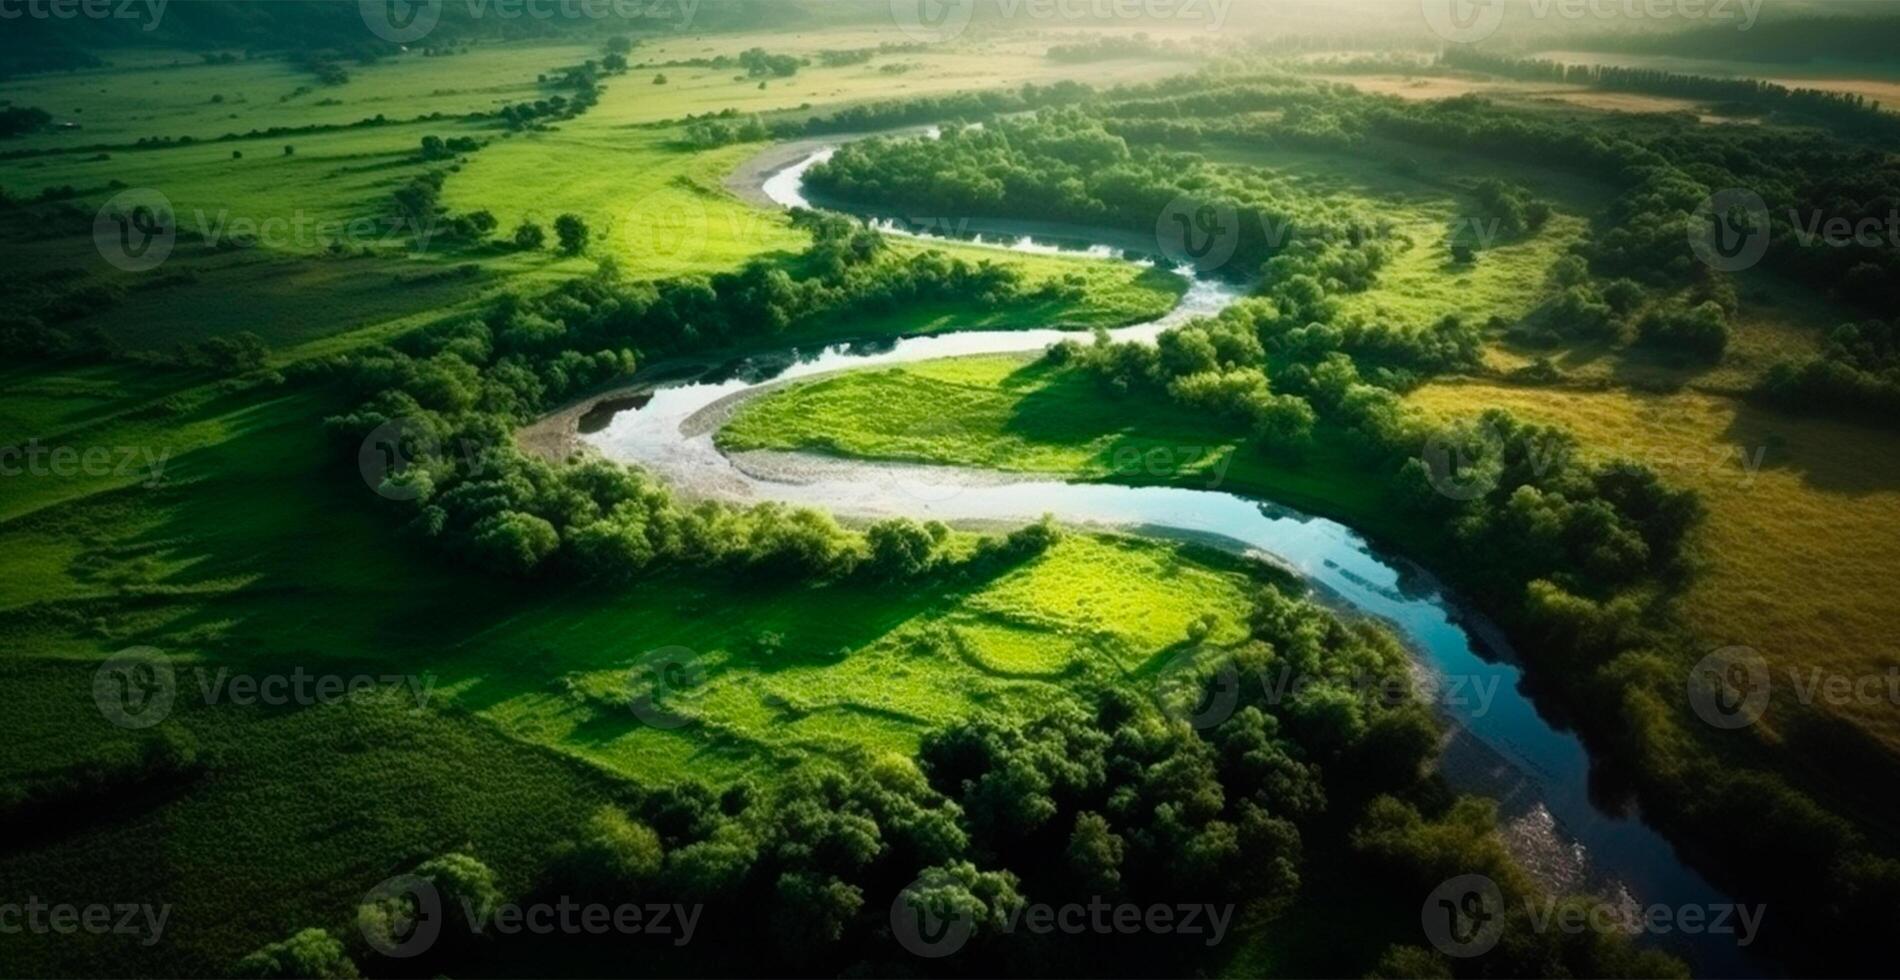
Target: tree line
[
  {"x": 1114, "y": 797},
  {"x": 458, "y": 391}
]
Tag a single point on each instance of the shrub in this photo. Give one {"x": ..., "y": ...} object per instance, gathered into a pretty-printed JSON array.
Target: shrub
[
  {"x": 530, "y": 236},
  {"x": 572, "y": 232},
  {"x": 312, "y": 954}
]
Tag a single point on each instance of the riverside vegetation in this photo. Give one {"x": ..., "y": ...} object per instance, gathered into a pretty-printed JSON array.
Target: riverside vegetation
[{"x": 975, "y": 720}]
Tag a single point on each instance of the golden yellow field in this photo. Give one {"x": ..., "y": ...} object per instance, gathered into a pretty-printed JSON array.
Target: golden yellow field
[
  {"x": 1419, "y": 88},
  {"x": 1800, "y": 539}
]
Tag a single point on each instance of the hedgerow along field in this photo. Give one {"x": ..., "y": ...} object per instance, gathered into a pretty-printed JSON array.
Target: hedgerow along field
[{"x": 259, "y": 550}]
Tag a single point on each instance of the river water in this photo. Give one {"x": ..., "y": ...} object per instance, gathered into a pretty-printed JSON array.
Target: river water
[{"x": 1501, "y": 744}]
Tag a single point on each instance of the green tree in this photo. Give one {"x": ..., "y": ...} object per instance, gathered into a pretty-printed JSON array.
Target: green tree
[
  {"x": 312, "y": 954},
  {"x": 617, "y": 854},
  {"x": 530, "y": 236},
  {"x": 572, "y": 232},
  {"x": 1095, "y": 853},
  {"x": 900, "y": 548}
]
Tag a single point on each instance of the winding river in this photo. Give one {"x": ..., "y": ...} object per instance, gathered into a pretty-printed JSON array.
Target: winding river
[{"x": 1501, "y": 745}]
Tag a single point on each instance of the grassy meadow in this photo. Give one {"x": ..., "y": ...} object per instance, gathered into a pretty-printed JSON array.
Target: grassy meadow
[
  {"x": 230, "y": 531},
  {"x": 235, "y": 543}
]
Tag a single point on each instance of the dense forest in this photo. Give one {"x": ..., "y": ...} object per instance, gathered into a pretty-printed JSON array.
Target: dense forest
[
  {"x": 1580, "y": 558},
  {"x": 1847, "y": 112},
  {"x": 1849, "y": 32}
]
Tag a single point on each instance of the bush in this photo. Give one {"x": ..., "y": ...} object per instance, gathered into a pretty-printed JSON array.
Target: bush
[
  {"x": 1702, "y": 331},
  {"x": 312, "y": 954},
  {"x": 572, "y": 232},
  {"x": 617, "y": 856}
]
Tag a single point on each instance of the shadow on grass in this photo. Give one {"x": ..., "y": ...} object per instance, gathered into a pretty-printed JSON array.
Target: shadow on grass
[
  {"x": 271, "y": 554},
  {"x": 1829, "y": 455}
]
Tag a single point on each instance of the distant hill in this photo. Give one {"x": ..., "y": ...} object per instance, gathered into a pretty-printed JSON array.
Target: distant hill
[{"x": 1870, "y": 35}]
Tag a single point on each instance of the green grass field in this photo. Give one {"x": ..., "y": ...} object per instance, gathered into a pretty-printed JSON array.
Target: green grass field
[
  {"x": 238, "y": 539},
  {"x": 1016, "y": 414},
  {"x": 256, "y": 550}
]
